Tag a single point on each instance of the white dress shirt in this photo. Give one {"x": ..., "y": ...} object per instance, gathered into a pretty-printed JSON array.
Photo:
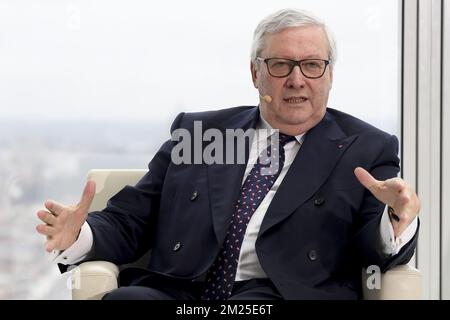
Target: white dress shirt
[{"x": 248, "y": 265}]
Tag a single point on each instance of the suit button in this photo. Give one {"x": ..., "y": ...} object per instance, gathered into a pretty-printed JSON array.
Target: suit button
[
  {"x": 319, "y": 201},
  {"x": 312, "y": 255},
  {"x": 177, "y": 246},
  {"x": 194, "y": 195}
]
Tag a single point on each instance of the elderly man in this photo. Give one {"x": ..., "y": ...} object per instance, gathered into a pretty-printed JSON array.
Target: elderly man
[{"x": 301, "y": 229}]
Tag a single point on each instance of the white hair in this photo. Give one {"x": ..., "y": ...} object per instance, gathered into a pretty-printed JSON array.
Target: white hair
[{"x": 288, "y": 18}]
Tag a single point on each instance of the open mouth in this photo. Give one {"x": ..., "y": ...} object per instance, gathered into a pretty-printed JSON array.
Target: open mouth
[{"x": 295, "y": 99}]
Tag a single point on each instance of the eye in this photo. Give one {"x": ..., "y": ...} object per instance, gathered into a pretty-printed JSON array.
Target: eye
[
  {"x": 280, "y": 64},
  {"x": 312, "y": 65}
]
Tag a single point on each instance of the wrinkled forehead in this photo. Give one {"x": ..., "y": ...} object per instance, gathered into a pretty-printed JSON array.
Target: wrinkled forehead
[{"x": 297, "y": 43}]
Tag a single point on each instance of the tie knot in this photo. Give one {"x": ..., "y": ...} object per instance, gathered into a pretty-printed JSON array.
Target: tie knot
[{"x": 284, "y": 138}]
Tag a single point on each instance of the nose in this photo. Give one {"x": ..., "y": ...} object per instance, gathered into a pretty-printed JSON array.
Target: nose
[{"x": 296, "y": 79}]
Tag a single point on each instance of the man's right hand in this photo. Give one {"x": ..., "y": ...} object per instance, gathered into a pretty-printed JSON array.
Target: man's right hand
[{"x": 63, "y": 223}]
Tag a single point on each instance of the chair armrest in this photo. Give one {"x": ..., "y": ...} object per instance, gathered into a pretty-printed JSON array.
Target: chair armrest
[
  {"x": 92, "y": 280},
  {"x": 402, "y": 282}
]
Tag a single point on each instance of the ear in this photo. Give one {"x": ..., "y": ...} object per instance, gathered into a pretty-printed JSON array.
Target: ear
[
  {"x": 331, "y": 78},
  {"x": 254, "y": 73}
]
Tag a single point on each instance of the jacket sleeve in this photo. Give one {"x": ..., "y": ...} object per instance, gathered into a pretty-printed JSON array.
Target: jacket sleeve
[
  {"x": 367, "y": 238},
  {"x": 123, "y": 231}
]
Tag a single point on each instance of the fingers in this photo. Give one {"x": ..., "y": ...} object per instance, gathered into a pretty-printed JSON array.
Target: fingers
[
  {"x": 62, "y": 221},
  {"x": 50, "y": 245},
  {"x": 396, "y": 183},
  {"x": 88, "y": 195},
  {"x": 405, "y": 197},
  {"x": 46, "y": 217},
  {"x": 409, "y": 199},
  {"x": 398, "y": 217},
  {"x": 46, "y": 230},
  {"x": 365, "y": 178},
  {"x": 54, "y": 207},
  {"x": 402, "y": 221},
  {"x": 85, "y": 202}
]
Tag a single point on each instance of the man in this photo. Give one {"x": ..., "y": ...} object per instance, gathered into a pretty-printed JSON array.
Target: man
[{"x": 301, "y": 230}]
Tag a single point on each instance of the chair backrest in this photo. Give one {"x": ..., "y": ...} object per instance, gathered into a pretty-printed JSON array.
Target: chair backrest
[{"x": 109, "y": 182}]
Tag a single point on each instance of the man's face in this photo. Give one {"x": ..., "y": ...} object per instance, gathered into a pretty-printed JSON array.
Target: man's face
[{"x": 298, "y": 103}]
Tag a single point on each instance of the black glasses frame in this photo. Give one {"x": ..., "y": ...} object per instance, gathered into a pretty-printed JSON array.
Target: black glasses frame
[{"x": 295, "y": 63}]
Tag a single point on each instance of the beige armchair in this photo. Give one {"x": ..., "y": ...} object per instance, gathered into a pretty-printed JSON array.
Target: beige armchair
[{"x": 91, "y": 280}]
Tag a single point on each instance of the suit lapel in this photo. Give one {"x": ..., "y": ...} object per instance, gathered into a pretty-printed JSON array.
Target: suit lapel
[
  {"x": 321, "y": 150},
  {"x": 225, "y": 180}
]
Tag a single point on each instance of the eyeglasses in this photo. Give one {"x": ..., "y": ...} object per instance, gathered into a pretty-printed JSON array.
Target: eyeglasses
[{"x": 310, "y": 68}]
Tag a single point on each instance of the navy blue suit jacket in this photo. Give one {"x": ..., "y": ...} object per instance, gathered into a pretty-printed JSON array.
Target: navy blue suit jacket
[{"x": 321, "y": 228}]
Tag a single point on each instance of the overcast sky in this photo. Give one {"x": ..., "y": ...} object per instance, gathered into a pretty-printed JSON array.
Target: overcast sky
[{"x": 152, "y": 59}]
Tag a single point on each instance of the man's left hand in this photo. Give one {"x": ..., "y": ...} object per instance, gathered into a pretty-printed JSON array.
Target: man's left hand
[{"x": 395, "y": 193}]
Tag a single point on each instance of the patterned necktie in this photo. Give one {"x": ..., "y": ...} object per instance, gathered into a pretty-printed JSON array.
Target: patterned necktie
[{"x": 220, "y": 276}]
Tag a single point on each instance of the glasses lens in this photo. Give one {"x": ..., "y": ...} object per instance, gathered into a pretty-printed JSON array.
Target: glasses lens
[
  {"x": 279, "y": 67},
  {"x": 313, "y": 68}
]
